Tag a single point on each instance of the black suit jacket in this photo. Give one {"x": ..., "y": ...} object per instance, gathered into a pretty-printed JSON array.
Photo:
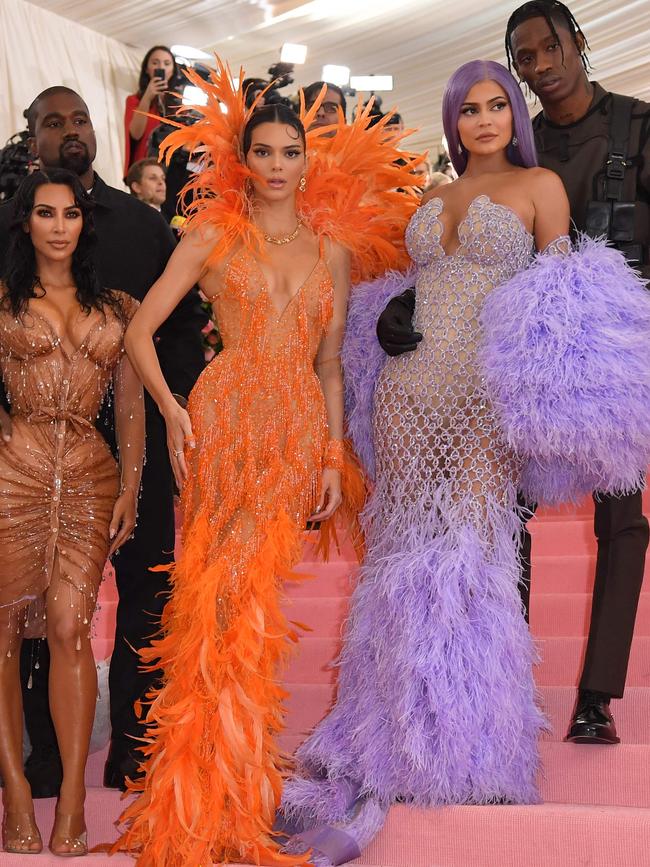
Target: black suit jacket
[{"x": 134, "y": 244}]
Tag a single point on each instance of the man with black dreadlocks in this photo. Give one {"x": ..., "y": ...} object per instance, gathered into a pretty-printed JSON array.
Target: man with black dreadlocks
[{"x": 599, "y": 144}]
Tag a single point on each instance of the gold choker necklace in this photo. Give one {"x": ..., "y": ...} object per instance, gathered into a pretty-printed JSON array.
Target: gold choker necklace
[{"x": 271, "y": 239}]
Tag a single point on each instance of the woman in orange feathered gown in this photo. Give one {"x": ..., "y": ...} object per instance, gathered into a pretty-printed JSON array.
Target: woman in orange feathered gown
[{"x": 258, "y": 453}]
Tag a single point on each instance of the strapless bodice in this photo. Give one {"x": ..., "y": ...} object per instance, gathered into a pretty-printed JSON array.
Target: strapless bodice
[{"x": 488, "y": 234}]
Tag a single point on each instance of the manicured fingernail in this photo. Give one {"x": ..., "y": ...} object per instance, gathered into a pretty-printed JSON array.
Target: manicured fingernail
[{"x": 112, "y": 534}]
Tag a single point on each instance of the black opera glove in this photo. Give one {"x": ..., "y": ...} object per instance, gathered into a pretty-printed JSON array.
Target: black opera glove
[{"x": 395, "y": 325}]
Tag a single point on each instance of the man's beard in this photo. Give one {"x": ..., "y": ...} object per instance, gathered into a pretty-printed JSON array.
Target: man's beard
[{"x": 78, "y": 164}]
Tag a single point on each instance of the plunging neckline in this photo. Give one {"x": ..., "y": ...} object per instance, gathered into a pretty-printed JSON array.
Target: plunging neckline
[
  {"x": 57, "y": 337},
  {"x": 461, "y": 224},
  {"x": 294, "y": 296}
]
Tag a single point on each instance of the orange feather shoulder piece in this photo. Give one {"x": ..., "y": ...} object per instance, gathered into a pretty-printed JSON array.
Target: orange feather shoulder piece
[
  {"x": 359, "y": 189},
  {"x": 218, "y": 190},
  {"x": 358, "y": 183}
]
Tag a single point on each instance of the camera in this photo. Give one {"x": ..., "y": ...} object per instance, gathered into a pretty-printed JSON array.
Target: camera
[
  {"x": 159, "y": 73},
  {"x": 281, "y": 76}
]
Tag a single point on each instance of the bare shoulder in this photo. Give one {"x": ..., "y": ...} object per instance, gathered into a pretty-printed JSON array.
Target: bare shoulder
[
  {"x": 337, "y": 254},
  {"x": 442, "y": 192},
  {"x": 544, "y": 182},
  {"x": 202, "y": 237}
]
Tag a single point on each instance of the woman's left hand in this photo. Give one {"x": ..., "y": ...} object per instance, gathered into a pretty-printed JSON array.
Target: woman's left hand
[
  {"x": 123, "y": 520},
  {"x": 330, "y": 496}
]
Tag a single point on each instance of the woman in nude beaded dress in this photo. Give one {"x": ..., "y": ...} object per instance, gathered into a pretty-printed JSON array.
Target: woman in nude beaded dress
[
  {"x": 64, "y": 503},
  {"x": 435, "y": 698},
  {"x": 258, "y": 454}
]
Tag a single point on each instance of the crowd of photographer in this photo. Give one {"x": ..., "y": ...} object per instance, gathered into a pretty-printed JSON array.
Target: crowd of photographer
[{"x": 147, "y": 115}]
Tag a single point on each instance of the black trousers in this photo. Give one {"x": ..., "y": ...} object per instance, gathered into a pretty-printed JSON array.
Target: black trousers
[
  {"x": 142, "y": 596},
  {"x": 622, "y": 535}
]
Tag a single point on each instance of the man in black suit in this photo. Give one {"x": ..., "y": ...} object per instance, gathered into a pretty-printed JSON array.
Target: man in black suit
[{"x": 134, "y": 244}]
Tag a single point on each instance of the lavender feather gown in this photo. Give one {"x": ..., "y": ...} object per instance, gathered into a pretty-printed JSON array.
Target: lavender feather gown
[{"x": 436, "y": 701}]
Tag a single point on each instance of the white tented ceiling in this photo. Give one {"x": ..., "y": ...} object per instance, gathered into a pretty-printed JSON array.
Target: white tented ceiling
[{"x": 419, "y": 42}]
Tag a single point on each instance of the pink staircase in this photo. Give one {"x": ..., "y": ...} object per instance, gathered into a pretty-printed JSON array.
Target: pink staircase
[{"x": 596, "y": 808}]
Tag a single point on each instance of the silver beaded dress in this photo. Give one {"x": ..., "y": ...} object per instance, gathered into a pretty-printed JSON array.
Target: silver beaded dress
[{"x": 435, "y": 701}]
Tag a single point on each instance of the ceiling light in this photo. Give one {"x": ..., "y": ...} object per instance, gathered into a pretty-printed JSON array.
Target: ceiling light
[
  {"x": 194, "y": 95},
  {"x": 292, "y": 53},
  {"x": 371, "y": 82},
  {"x": 190, "y": 53},
  {"x": 339, "y": 75}
]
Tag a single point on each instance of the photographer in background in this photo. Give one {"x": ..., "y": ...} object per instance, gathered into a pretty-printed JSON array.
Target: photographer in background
[
  {"x": 333, "y": 100},
  {"x": 159, "y": 80},
  {"x": 252, "y": 87},
  {"x": 146, "y": 181}
]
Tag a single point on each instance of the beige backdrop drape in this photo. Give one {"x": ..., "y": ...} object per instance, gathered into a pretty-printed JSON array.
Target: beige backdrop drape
[{"x": 39, "y": 49}]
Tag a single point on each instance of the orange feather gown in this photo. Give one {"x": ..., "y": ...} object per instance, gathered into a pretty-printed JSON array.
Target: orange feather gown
[{"x": 213, "y": 770}]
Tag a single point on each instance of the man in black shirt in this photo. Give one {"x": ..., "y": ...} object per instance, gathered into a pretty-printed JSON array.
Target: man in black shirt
[
  {"x": 599, "y": 144},
  {"x": 134, "y": 244}
]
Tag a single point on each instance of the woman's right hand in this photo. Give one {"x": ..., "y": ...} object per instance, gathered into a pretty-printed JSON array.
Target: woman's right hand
[
  {"x": 179, "y": 435},
  {"x": 155, "y": 88},
  {"x": 5, "y": 425}
]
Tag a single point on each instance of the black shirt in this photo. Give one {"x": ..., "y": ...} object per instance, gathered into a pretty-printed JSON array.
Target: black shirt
[{"x": 578, "y": 152}]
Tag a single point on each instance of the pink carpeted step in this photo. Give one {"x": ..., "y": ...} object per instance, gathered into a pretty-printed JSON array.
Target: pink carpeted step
[
  {"x": 567, "y": 614},
  {"x": 592, "y": 774},
  {"x": 561, "y": 659},
  {"x": 549, "y": 835},
  {"x": 562, "y": 574},
  {"x": 580, "y": 773},
  {"x": 308, "y": 703},
  {"x": 552, "y": 614},
  {"x": 562, "y": 537}
]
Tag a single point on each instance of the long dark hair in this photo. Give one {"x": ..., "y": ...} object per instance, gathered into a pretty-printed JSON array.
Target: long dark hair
[
  {"x": 274, "y": 113},
  {"x": 144, "y": 79},
  {"x": 20, "y": 277}
]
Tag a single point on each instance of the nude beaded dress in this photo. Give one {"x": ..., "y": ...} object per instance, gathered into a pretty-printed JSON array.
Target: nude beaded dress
[{"x": 58, "y": 478}]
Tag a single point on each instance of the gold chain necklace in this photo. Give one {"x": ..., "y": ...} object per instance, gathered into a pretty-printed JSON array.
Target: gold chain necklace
[{"x": 271, "y": 239}]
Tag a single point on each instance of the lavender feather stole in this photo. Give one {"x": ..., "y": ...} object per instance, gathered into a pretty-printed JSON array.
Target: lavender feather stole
[
  {"x": 363, "y": 357},
  {"x": 567, "y": 365}
]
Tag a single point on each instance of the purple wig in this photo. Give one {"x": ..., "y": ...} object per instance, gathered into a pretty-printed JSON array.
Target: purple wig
[{"x": 459, "y": 85}]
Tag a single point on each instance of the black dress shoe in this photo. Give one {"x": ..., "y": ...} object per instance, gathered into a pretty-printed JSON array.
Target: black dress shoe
[
  {"x": 592, "y": 722},
  {"x": 44, "y": 771},
  {"x": 120, "y": 764}
]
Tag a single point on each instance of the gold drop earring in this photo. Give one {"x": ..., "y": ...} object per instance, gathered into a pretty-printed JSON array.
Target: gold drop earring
[{"x": 302, "y": 186}]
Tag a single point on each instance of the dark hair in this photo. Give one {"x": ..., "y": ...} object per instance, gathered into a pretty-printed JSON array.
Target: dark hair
[
  {"x": 31, "y": 113},
  {"x": 395, "y": 119},
  {"x": 312, "y": 91},
  {"x": 251, "y": 87},
  {"x": 20, "y": 278},
  {"x": 145, "y": 78},
  {"x": 274, "y": 113},
  {"x": 551, "y": 11},
  {"x": 135, "y": 172}
]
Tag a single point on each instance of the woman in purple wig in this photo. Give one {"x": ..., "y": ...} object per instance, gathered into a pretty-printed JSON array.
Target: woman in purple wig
[{"x": 436, "y": 700}]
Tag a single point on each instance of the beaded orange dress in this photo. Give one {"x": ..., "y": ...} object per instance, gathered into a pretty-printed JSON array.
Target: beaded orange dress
[
  {"x": 58, "y": 478},
  {"x": 213, "y": 769}
]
